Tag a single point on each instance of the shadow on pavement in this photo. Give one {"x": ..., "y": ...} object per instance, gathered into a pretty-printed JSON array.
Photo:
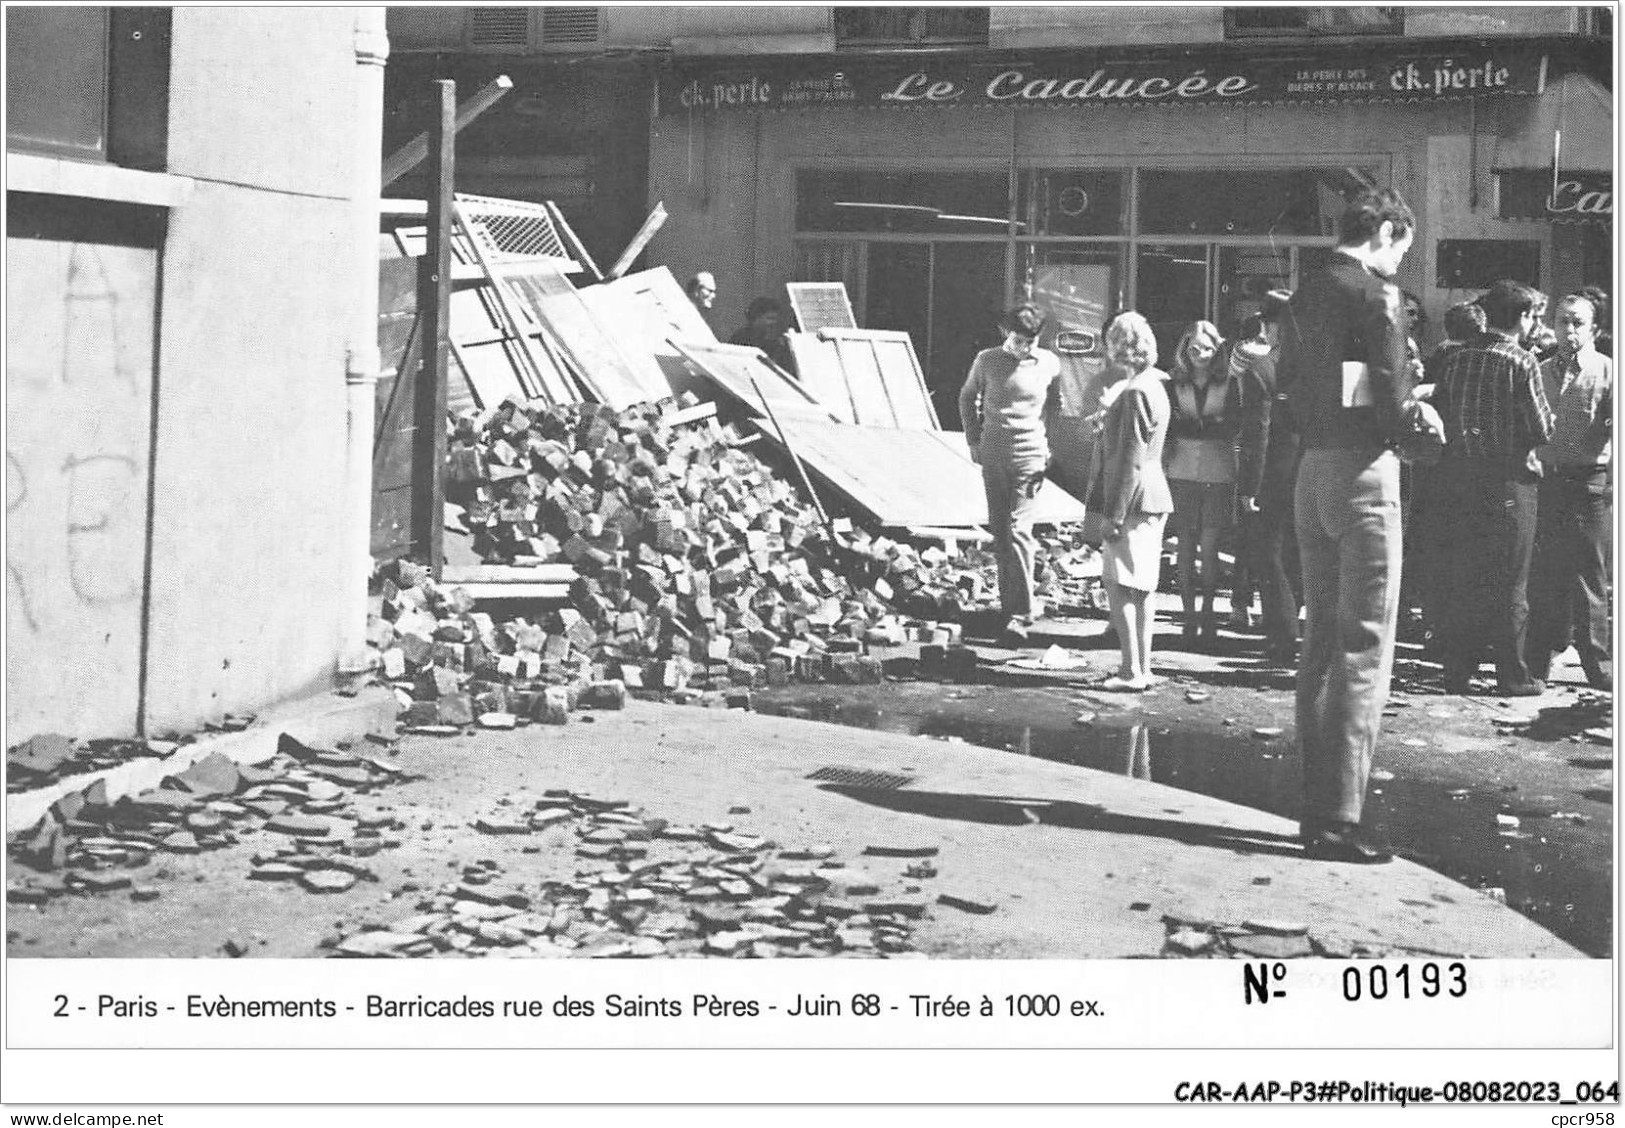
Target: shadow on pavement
[{"x": 1012, "y": 810}]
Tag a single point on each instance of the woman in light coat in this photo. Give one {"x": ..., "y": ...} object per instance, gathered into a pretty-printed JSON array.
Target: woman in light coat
[{"x": 1135, "y": 496}]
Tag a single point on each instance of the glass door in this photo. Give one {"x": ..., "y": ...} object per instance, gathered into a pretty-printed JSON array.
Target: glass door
[{"x": 1172, "y": 291}]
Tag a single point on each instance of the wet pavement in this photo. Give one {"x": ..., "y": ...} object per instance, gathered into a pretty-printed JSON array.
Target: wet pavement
[{"x": 1442, "y": 791}]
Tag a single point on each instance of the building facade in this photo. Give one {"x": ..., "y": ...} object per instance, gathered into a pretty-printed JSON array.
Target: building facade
[
  {"x": 188, "y": 332},
  {"x": 1177, "y": 160}
]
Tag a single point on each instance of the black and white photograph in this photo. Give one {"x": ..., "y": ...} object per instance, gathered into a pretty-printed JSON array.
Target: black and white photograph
[{"x": 1013, "y": 490}]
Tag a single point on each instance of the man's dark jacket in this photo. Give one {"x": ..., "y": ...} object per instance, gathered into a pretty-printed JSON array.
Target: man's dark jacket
[{"x": 1345, "y": 312}]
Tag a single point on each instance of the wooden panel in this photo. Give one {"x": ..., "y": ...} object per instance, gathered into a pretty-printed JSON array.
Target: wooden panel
[
  {"x": 617, "y": 377},
  {"x": 820, "y": 305},
  {"x": 884, "y": 373},
  {"x": 818, "y": 365},
  {"x": 865, "y": 382},
  {"x": 905, "y": 477},
  {"x": 748, "y": 377}
]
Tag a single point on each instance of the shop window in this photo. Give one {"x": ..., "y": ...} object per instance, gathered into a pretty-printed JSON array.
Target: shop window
[
  {"x": 1063, "y": 202},
  {"x": 1250, "y": 202},
  {"x": 1476, "y": 264},
  {"x": 901, "y": 27},
  {"x": 89, "y": 83},
  {"x": 936, "y": 203},
  {"x": 1244, "y": 23}
]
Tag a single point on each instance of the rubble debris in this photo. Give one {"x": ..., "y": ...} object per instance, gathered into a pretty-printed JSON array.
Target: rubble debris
[
  {"x": 652, "y": 889},
  {"x": 49, "y": 757}
]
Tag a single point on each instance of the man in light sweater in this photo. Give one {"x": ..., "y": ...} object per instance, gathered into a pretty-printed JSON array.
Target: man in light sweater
[{"x": 1002, "y": 407}]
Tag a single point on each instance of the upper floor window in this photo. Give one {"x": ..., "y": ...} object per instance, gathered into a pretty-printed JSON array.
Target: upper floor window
[
  {"x": 910, "y": 27},
  {"x": 1245, "y": 22},
  {"x": 88, "y": 82}
]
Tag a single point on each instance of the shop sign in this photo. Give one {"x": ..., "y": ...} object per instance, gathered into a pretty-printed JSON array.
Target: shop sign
[
  {"x": 1577, "y": 197},
  {"x": 1078, "y": 80}
]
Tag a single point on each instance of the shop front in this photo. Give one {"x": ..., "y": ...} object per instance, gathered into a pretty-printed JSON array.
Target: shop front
[{"x": 941, "y": 190}]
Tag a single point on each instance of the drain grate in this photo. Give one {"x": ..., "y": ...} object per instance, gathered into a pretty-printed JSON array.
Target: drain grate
[{"x": 861, "y": 777}]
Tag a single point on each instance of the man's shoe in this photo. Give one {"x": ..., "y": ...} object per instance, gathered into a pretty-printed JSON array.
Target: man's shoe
[
  {"x": 1341, "y": 843},
  {"x": 1540, "y": 665},
  {"x": 1601, "y": 677},
  {"x": 1521, "y": 689}
]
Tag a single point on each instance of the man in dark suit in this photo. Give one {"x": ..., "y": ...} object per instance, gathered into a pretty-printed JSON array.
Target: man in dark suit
[{"x": 1344, "y": 370}]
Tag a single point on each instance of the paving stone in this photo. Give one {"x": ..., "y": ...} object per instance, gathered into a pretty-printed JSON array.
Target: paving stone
[
  {"x": 1276, "y": 927},
  {"x": 182, "y": 842},
  {"x": 379, "y": 944},
  {"x": 901, "y": 851},
  {"x": 144, "y": 893},
  {"x": 1266, "y": 946},
  {"x": 28, "y": 895},
  {"x": 327, "y": 880},
  {"x": 1189, "y": 941},
  {"x": 501, "y": 826},
  {"x": 978, "y": 905},
  {"x": 215, "y": 774},
  {"x": 275, "y": 871},
  {"x": 303, "y": 826}
]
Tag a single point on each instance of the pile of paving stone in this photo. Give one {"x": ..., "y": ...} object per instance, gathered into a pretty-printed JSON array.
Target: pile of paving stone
[
  {"x": 645, "y": 887},
  {"x": 87, "y": 843},
  {"x": 698, "y": 568}
]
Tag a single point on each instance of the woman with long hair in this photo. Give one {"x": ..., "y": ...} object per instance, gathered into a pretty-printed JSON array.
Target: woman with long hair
[
  {"x": 1204, "y": 425},
  {"x": 1134, "y": 493}
]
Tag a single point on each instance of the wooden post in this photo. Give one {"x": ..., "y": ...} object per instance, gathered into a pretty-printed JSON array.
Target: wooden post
[
  {"x": 413, "y": 153},
  {"x": 656, "y": 219},
  {"x": 434, "y": 317}
]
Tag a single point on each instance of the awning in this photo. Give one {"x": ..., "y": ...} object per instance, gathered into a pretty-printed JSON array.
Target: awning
[{"x": 1573, "y": 119}]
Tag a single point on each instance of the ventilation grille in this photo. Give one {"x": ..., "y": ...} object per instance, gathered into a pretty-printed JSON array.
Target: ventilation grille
[
  {"x": 563, "y": 26},
  {"x": 511, "y": 230},
  {"x": 861, "y": 777},
  {"x": 499, "y": 29}
]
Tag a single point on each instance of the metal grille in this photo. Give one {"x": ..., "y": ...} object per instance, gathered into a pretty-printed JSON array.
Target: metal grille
[
  {"x": 499, "y": 28},
  {"x": 861, "y": 777},
  {"x": 569, "y": 25},
  {"x": 512, "y": 230}
]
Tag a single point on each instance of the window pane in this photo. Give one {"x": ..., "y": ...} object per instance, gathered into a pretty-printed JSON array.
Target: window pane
[
  {"x": 1252, "y": 202},
  {"x": 1172, "y": 292},
  {"x": 970, "y": 203},
  {"x": 1061, "y": 202},
  {"x": 56, "y": 79}
]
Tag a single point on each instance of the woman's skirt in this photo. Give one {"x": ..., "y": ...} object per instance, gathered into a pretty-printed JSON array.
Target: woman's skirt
[{"x": 1134, "y": 560}]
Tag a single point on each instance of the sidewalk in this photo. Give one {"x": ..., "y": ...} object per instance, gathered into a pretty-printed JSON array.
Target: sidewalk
[{"x": 1073, "y": 863}]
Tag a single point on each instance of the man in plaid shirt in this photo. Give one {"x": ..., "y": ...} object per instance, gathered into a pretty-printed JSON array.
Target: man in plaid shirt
[{"x": 1493, "y": 403}]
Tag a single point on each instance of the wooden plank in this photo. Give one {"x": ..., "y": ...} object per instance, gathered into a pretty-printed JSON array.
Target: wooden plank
[
  {"x": 509, "y": 574},
  {"x": 415, "y": 151},
  {"x": 434, "y": 311},
  {"x": 820, "y": 305},
  {"x": 746, "y": 375},
  {"x": 541, "y": 592},
  {"x": 656, "y": 220},
  {"x": 931, "y": 532},
  {"x": 577, "y": 247},
  {"x": 617, "y": 377}
]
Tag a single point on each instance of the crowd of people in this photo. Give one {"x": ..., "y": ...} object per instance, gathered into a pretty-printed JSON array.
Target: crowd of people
[{"x": 1350, "y": 474}]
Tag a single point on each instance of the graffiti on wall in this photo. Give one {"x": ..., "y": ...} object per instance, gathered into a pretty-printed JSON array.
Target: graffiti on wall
[{"x": 79, "y": 320}]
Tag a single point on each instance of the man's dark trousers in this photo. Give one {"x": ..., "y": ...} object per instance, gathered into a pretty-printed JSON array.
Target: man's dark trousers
[
  {"x": 1573, "y": 562},
  {"x": 1484, "y": 524}
]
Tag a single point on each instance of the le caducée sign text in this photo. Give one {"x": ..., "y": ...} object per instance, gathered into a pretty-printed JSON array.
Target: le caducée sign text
[{"x": 1074, "y": 81}]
